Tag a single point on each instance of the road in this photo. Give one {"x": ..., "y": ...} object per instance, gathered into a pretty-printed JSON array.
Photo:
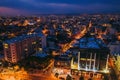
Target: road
[{"x": 78, "y": 35}]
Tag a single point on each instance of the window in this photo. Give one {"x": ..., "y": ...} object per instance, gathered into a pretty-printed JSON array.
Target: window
[
  {"x": 34, "y": 42},
  {"x": 5, "y": 45}
]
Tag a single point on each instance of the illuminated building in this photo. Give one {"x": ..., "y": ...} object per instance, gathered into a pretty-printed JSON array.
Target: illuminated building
[
  {"x": 62, "y": 64},
  {"x": 89, "y": 54},
  {"x": 62, "y": 61},
  {"x": 20, "y": 47}
]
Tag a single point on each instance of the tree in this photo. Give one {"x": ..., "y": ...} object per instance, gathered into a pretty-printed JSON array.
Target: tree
[
  {"x": 117, "y": 63},
  {"x": 56, "y": 75},
  {"x": 68, "y": 77}
]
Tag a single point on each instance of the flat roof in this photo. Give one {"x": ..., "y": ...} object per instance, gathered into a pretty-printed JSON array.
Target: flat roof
[{"x": 22, "y": 37}]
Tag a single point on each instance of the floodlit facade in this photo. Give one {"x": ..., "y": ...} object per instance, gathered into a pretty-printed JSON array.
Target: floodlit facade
[
  {"x": 20, "y": 47},
  {"x": 89, "y": 54}
]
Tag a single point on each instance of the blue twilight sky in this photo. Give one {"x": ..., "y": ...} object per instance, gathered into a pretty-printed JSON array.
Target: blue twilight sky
[{"x": 58, "y": 6}]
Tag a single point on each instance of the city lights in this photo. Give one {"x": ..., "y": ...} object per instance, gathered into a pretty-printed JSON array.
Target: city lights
[
  {"x": 106, "y": 71},
  {"x": 60, "y": 47}
]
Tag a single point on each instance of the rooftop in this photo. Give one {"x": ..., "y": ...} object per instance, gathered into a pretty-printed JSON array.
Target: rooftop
[
  {"x": 40, "y": 55},
  {"x": 90, "y": 42},
  {"x": 23, "y": 37}
]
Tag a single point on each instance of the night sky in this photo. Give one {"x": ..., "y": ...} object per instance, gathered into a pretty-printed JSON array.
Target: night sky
[{"x": 58, "y": 6}]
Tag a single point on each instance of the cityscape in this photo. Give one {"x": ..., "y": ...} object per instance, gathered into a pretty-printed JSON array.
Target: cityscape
[{"x": 59, "y": 40}]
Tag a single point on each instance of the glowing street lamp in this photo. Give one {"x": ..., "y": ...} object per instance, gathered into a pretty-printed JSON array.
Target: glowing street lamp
[{"x": 106, "y": 71}]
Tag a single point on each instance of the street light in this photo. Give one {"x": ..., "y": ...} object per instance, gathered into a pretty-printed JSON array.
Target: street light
[{"x": 106, "y": 71}]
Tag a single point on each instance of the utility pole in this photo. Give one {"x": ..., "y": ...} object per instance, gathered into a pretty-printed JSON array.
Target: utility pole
[{"x": 78, "y": 60}]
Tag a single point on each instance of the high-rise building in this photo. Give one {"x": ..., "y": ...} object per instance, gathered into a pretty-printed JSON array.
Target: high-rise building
[{"x": 22, "y": 46}]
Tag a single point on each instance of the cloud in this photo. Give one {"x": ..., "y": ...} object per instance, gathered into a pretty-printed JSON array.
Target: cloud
[
  {"x": 60, "y": 6},
  {"x": 11, "y": 11}
]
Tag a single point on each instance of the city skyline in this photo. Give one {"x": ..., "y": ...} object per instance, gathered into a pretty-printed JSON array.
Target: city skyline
[
  {"x": 59, "y": 47},
  {"x": 59, "y": 40},
  {"x": 25, "y": 7}
]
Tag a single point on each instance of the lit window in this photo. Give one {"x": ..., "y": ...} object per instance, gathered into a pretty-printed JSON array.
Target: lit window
[
  {"x": 26, "y": 49},
  {"x": 5, "y": 45},
  {"x": 34, "y": 42},
  {"x": 40, "y": 49}
]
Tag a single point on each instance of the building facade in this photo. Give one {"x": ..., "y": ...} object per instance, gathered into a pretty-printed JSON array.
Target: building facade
[
  {"x": 89, "y": 54},
  {"x": 62, "y": 64},
  {"x": 20, "y": 47}
]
